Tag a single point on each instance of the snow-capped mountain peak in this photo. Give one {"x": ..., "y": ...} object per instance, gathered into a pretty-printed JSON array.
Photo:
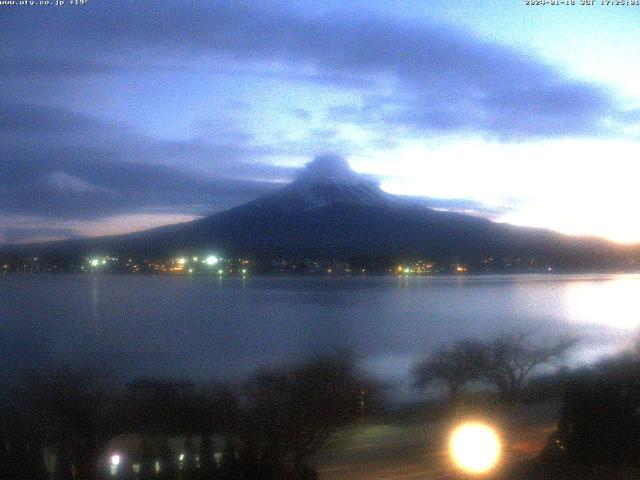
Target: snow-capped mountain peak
[
  {"x": 329, "y": 169},
  {"x": 328, "y": 180}
]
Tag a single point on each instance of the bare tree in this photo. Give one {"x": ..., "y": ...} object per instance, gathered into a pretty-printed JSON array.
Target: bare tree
[
  {"x": 453, "y": 366},
  {"x": 506, "y": 363},
  {"x": 511, "y": 359}
]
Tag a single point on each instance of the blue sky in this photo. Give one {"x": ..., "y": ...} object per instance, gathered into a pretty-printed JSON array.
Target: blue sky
[{"x": 117, "y": 116}]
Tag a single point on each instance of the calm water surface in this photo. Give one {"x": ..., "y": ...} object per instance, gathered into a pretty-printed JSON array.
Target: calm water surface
[{"x": 208, "y": 328}]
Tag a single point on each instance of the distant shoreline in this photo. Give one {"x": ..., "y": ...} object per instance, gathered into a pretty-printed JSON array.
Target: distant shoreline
[{"x": 442, "y": 275}]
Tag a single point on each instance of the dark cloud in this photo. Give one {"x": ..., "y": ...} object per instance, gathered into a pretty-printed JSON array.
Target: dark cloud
[
  {"x": 121, "y": 173},
  {"x": 510, "y": 114},
  {"x": 23, "y": 118},
  {"x": 302, "y": 114},
  {"x": 89, "y": 184},
  {"x": 445, "y": 79},
  {"x": 43, "y": 66}
]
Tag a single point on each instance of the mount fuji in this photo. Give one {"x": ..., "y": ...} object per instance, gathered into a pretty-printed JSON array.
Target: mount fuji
[{"x": 330, "y": 211}]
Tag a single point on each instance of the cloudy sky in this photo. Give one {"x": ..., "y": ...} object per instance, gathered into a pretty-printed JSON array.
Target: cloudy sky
[{"x": 117, "y": 116}]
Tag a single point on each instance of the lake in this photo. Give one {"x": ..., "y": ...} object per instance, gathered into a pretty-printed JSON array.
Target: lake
[{"x": 207, "y": 328}]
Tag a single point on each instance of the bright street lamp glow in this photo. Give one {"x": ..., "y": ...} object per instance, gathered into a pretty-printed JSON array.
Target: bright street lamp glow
[
  {"x": 182, "y": 261},
  {"x": 115, "y": 460},
  {"x": 211, "y": 260},
  {"x": 94, "y": 262},
  {"x": 475, "y": 447}
]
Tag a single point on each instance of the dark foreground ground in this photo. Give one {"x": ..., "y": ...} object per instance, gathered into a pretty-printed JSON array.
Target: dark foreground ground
[
  {"x": 412, "y": 446},
  {"x": 541, "y": 470}
]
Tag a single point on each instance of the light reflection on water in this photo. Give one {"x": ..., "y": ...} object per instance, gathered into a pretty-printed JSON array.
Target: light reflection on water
[
  {"x": 204, "y": 327},
  {"x": 614, "y": 301},
  {"x": 606, "y": 310}
]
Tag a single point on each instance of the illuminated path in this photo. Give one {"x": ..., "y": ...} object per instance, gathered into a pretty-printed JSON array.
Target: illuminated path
[{"x": 417, "y": 450}]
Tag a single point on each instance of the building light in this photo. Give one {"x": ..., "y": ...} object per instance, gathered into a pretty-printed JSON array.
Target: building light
[
  {"x": 114, "y": 463},
  {"x": 211, "y": 260},
  {"x": 182, "y": 261}
]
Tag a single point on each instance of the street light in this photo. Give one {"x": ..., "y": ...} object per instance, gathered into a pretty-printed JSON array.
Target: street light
[
  {"x": 114, "y": 462},
  {"x": 475, "y": 447}
]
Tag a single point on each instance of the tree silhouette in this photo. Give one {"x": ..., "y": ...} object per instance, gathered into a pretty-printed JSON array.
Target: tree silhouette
[
  {"x": 453, "y": 366},
  {"x": 290, "y": 415},
  {"x": 162, "y": 409},
  {"x": 280, "y": 420},
  {"x": 70, "y": 412},
  {"x": 506, "y": 363},
  {"x": 511, "y": 359}
]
